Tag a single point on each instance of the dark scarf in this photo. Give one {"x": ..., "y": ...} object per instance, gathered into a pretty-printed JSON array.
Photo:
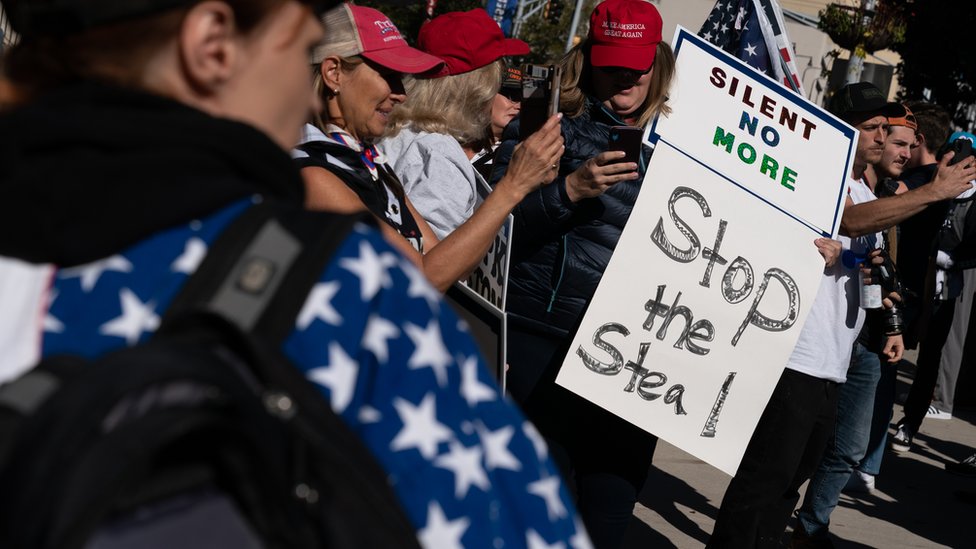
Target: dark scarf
[{"x": 89, "y": 169}]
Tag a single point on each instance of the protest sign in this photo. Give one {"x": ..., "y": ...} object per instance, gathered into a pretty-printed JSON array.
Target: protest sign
[
  {"x": 490, "y": 277},
  {"x": 714, "y": 274}
]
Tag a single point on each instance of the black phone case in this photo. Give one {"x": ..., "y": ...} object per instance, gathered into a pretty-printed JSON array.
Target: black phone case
[{"x": 627, "y": 139}]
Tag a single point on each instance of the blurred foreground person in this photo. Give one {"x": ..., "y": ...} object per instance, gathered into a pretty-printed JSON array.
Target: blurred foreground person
[{"x": 147, "y": 129}]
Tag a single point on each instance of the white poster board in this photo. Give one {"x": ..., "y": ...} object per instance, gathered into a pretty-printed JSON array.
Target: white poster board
[
  {"x": 713, "y": 277},
  {"x": 490, "y": 277}
]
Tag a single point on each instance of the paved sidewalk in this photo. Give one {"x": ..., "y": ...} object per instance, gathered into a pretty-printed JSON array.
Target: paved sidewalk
[{"x": 913, "y": 505}]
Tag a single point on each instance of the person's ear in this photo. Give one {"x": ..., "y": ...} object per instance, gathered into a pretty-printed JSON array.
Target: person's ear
[
  {"x": 331, "y": 71},
  {"x": 209, "y": 45}
]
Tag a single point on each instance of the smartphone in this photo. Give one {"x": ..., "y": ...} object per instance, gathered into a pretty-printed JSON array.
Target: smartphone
[
  {"x": 627, "y": 139},
  {"x": 540, "y": 97}
]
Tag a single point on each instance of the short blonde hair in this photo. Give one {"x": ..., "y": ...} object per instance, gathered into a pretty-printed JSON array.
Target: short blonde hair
[
  {"x": 576, "y": 82},
  {"x": 458, "y": 105}
]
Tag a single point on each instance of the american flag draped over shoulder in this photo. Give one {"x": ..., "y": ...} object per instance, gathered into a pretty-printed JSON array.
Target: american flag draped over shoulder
[{"x": 750, "y": 30}]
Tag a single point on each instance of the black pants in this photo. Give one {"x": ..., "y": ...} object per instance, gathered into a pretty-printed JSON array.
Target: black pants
[
  {"x": 783, "y": 452},
  {"x": 929, "y": 360},
  {"x": 603, "y": 458}
]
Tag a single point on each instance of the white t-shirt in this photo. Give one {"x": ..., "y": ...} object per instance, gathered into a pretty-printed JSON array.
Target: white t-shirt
[{"x": 823, "y": 349}]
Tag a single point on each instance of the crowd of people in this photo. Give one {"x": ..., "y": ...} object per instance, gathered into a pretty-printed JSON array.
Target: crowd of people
[{"x": 133, "y": 135}]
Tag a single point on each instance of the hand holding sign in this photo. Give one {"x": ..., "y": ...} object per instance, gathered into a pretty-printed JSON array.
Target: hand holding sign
[{"x": 598, "y": 174}]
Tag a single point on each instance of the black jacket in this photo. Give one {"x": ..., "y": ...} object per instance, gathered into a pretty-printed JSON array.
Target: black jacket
[
  {"x": 560, "y": 249},
  {"x": 91, "y": 169}
]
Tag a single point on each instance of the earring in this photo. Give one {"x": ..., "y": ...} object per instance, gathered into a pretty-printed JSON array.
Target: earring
[{"x": 335, "y": 91}]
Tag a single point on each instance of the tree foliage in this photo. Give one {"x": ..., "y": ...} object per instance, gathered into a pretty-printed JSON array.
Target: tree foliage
[{"x": 938, "y": 59}]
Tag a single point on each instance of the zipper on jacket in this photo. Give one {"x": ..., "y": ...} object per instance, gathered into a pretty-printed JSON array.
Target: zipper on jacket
[{"x": 559, "y": 280}]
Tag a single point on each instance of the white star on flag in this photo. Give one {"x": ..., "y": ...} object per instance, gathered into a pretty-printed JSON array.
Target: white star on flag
[
  {"x": 376, "y": 338},
  {"x": 137, "y": 317},
  {"x": 497, "y": 455},
  {"x": 534, "y": 541},
  {"x": 368, "y": 414},
  {"x": 50, "y": 323},
  {"x": 189, "y": 260},
  {"x": 339, "y": 376},
  {"x": 371, "y": 268},
  {"x": 318, "y": 305},
  {"x": 708, "y": 36},
  {"x": 430, "y": 350},
  {"x": 473, "y": 390},
  {"x": 420, "y": 286},
  {"x": 751, "y": 49},
  {"x": 580, "y": 539},
  {"x": 421, "y": 430},
  {"x": 548, "y": 489},
  {"x": 725, "y": 28},
  {"x": 538, "y": 442},
  {"x": 441, "y": 533},
  {"x": 716, "y": 25},
  {"x": 91, "y": 272},
  {"x": 465, "y": 463}
]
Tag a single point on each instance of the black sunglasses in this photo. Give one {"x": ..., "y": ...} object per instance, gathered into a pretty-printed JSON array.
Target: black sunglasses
[
  {"x": 618, "y": 70},
  {"x": 512, "y": 94}
]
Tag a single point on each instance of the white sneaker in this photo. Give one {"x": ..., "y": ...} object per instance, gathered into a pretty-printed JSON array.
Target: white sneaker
[
  {"x": 859, "y": 483},
  {"x": 902, "y": 439},
  {"x": 935, "y": 413}
]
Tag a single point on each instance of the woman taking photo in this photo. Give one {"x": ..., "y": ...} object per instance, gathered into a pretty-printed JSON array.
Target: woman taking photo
[
  {"x": 435, "y": 135},
  {"x": 359, "y": 72},
  {"x": 564, "y": 236}
]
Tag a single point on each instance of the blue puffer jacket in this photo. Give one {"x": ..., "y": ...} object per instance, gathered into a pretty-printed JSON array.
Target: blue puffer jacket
[{"x": 561, "y": 249}]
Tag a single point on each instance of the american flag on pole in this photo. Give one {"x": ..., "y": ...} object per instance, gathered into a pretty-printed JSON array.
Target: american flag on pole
[{"x": 754, "y": 31}]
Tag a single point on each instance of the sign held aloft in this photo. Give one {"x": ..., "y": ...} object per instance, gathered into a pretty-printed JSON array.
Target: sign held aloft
[{"x": 713, "y": 277}]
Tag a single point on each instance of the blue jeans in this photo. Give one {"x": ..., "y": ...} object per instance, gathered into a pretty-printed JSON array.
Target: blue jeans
[
  {"x": 884, "y": 400},
  {"x": 855, "y": 408}
]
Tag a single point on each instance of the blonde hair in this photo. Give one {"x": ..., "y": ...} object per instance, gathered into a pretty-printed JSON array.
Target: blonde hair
[
  {"x": 458, "y": 105},
  {"x": 576, "y": 82}
]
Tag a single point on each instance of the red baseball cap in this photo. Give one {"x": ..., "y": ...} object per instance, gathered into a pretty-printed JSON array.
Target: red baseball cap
[
  {"x": 624, "y": 33},
  {"x": 465, "y": 41},
  {"x": 357, "y": 30}
]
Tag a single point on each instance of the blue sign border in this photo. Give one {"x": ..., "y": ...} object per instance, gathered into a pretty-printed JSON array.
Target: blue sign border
[{"x": 790, "y": 96}]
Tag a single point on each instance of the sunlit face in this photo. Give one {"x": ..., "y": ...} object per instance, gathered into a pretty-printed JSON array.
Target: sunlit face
[
  {"x": 274, "y": 91},
  {"x": 897, "y": 150},
  {"x": 871, "y": 139},
  {"x": 504, "y": 108},
  {"x": 621, "y": 90},
  {"x": 367, "y": 96}
]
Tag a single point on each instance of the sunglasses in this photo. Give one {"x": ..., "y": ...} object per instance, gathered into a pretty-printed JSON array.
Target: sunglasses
[
  {"x": 613, "y": 71},
  {"x": 512, "y": 94}
]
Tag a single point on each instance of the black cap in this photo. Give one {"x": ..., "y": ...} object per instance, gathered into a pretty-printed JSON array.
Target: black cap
[
  {"x": 50, "y": 17},
  {"x": 862, "y": 100},
  {"x": 54, "y": 17}
]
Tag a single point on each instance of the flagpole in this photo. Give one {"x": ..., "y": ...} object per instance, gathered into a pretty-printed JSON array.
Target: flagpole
[
  {"x": 574, "y": 25},
  {"x": 855, "y": 63}
]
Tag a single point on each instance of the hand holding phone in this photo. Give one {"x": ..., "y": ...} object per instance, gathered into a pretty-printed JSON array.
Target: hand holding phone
[
  {"x": 540, "y": 97},
  {"x": 626, "y": 139}
]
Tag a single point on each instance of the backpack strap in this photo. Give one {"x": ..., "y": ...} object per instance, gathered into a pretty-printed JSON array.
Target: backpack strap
[{"x": 258, "y": 272}]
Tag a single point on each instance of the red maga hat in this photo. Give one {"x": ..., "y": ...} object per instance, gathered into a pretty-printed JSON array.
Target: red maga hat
[
  {"x": 624, "y": 33},
  {"x": 373, "y": 36},
  {"x": 465, "y": 41}
]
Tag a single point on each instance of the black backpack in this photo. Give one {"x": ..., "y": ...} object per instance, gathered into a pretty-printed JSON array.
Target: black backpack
[{"x": 206, "y": 435}]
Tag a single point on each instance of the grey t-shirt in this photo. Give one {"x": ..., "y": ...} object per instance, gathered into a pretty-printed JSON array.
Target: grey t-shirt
[{"x": 437, "y": 176}]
